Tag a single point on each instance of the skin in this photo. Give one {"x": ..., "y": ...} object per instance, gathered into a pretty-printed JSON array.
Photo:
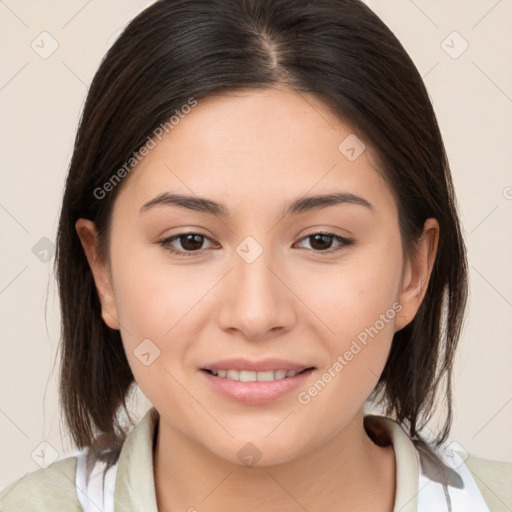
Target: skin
[{"x": 256, "y": 152}]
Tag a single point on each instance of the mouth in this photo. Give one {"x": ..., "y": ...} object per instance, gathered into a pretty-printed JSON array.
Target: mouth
[
  {"x": 250, "y": 387},
  {"x": 253, "y": 376}
]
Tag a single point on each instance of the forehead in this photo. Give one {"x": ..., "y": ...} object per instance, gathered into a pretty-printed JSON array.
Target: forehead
[{"x": 261, "y": 146}]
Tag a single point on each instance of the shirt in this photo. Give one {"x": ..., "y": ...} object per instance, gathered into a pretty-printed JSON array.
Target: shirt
[{"x": 480, "y": 485}]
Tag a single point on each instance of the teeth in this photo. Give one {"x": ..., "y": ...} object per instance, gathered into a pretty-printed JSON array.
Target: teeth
[
  {"x": 233, "y": 375},
  {"x": 251, "y": 376}
]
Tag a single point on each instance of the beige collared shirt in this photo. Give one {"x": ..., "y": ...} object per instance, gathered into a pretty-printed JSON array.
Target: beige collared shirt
[{"x": 59, "y": 486}]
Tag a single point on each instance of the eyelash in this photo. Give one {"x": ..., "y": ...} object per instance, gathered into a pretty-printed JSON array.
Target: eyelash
[{"x": 165, "y": 243}]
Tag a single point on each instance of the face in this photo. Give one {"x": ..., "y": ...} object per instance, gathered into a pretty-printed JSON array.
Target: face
[{"x": 320, "y": 285}]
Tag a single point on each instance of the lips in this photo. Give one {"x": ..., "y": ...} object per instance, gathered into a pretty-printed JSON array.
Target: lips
[
  {"x": 255, "y": 382},
  {"x": 248, "y": 391}
]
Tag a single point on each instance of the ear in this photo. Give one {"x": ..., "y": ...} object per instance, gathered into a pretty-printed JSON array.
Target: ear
[
  {"x": 101, "y": 273},
  {"x": 418, "y": 269}
]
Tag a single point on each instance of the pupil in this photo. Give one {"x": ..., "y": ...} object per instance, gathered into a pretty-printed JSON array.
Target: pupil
[
  {"x": 327, "y": 239},
  {"x": 190, "y": 240}
]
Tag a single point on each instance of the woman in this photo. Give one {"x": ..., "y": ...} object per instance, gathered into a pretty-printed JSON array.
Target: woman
[{"x": 259, "y": 230}]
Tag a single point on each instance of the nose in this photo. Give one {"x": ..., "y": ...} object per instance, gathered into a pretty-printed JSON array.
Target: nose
[{"x": 257, "y": 300}]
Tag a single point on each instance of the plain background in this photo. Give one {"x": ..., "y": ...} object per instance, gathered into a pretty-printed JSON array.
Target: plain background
[{"x": 40, "y": 104}]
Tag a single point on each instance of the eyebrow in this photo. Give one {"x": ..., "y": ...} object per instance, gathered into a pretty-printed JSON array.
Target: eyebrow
[{"x": 300, "y": 205}]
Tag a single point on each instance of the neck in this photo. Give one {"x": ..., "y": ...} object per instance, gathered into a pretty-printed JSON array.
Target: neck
[{"x": 349, "y": 472}]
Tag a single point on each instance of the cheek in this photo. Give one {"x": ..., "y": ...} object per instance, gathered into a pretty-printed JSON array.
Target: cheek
[
  {"x": 154, "y": 316},
  {"x": 153, "y": 295},
  {"x": 157, "y": 303},
  {"x": 353, "y": 294},
  {"x": 358, "y": 303}
]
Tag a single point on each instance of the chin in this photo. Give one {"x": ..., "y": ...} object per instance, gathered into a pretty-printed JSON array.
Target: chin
[{"x": 259, "y": 452}]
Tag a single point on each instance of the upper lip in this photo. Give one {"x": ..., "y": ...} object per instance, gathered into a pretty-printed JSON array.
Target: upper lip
[{"x": 262, "y": 365}]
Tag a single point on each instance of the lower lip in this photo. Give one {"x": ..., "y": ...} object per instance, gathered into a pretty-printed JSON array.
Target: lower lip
[{"x": 255, "y": 392}]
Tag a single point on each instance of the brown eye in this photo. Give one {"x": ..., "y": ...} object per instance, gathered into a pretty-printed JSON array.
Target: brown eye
[
  {"x": 323, "y": 241},
  {"x": 190, "y": 243}
]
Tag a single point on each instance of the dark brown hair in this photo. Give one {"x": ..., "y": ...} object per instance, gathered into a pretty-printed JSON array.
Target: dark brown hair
[{"x": 338, "y": 50}]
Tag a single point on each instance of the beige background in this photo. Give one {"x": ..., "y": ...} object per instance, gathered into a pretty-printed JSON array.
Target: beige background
[{"x": 40, "y": 103}]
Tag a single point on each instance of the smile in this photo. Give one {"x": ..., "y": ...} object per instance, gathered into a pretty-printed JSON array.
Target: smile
[
  {"x": 252, "y": 376},
  {"x": 252, "y": 387}
]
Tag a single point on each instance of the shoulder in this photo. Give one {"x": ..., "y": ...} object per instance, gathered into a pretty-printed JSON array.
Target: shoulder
[
  {"x": 494, "y": 479},
  {"x": 48, "y": 489}
]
